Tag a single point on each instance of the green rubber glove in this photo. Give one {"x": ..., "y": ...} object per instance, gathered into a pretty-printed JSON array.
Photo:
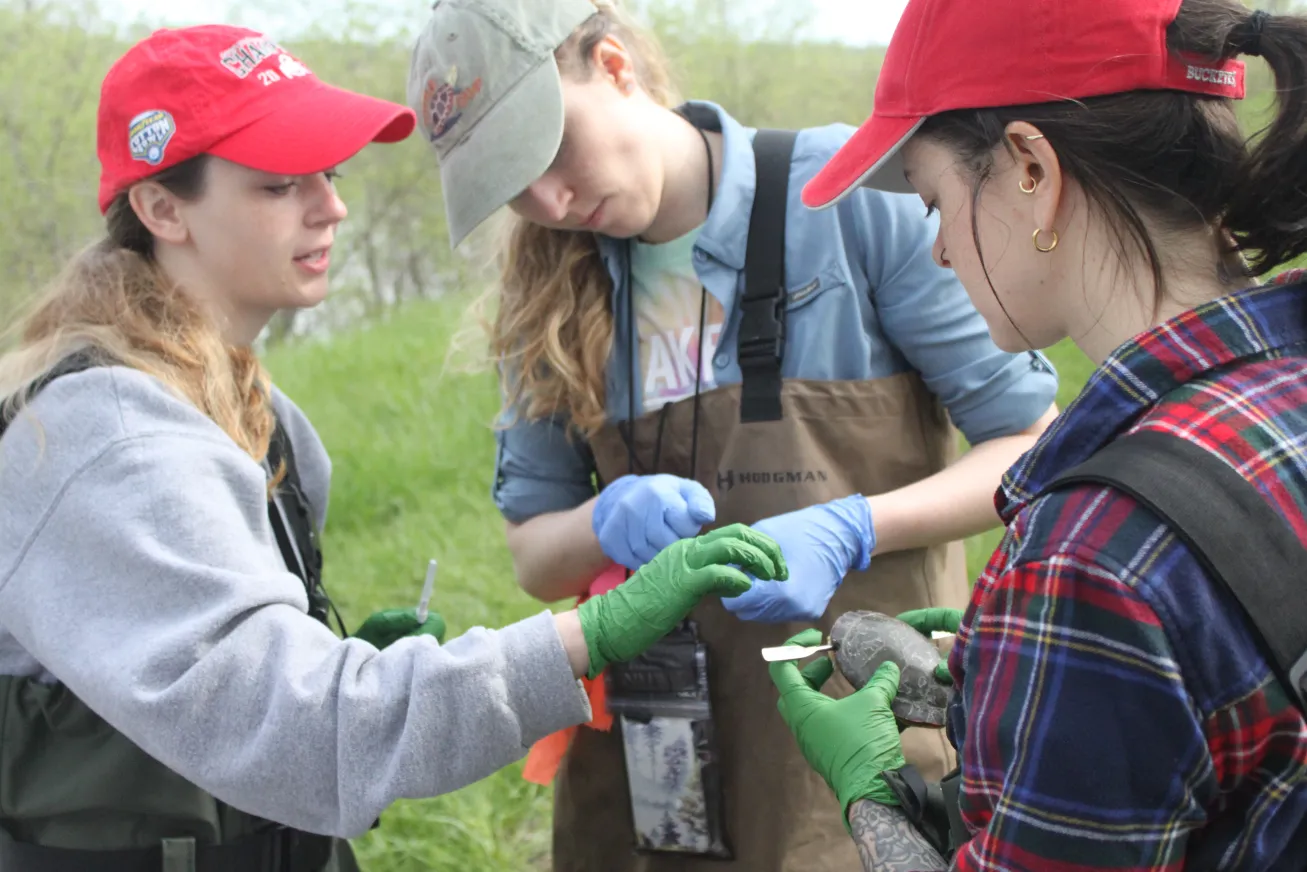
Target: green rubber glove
[
  {"x": 936, "y": 620},
  {"x": 848, "y": 741},
  {"x": 620, "y": 624},
  {"x": 387, "y": 627}
]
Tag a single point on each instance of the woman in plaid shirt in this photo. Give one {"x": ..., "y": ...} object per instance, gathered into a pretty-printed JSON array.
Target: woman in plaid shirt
[{"x": 1114, "y": 709}]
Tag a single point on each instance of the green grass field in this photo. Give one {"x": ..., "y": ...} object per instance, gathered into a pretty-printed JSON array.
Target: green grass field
[{"x": 412, "y": 451}]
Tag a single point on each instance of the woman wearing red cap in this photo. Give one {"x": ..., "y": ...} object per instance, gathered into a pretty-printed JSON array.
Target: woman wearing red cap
[
  {"x": 171, "y": 697},
  {"x": 1129, "y": 672},
  {"x": 681, "y": 345}
]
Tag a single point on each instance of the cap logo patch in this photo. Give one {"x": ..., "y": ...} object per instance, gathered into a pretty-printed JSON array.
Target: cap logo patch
[
  {"x": 148, "y": 135},
  {"x": 244, "y": 56},
  {"x": 443, "y": 103}
]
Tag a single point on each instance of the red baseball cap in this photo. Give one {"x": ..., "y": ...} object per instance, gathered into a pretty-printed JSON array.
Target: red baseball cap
[
  {"x": 976, "y": 54},
  {"x": 233, "y": 93}
]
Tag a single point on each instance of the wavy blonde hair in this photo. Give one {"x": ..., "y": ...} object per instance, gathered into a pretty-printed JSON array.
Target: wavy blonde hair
[
  {"x": 552, "y": 332},
  {"x": 113, "y": 302}
]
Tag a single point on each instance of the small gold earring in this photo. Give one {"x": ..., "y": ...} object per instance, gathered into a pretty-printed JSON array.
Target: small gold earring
[
  {"x": 1030, "y": 190},
  {"x": 1039, "y": 247},
  {"x": 1034, "y": 136}
]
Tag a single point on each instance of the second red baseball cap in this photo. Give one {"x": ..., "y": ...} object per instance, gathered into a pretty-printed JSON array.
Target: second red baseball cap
[
  {"x": 235, "y": 94},
  {"x": 976, "y": 54}
]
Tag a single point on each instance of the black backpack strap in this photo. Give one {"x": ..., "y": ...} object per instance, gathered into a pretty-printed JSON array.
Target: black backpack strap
[
  {"x": 75, "y": 362},
  {"x": 762, "y": 308},
  {"x": 950, "y": 788},
  {"x": 925, "y": 804},
  {"x": 1228, "y": 526},
  {"x": 292, "y": 524}
]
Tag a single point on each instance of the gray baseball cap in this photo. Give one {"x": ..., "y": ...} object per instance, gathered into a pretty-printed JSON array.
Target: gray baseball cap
[{"x": 489, "y": 98}]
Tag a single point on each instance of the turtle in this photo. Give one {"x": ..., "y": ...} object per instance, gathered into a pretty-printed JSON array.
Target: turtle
[
  {"x": 445, "y": 103},
  {"x": 863, "y": 640}
]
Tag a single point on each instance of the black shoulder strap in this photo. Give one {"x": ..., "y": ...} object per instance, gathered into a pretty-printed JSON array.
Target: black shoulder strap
[
  {"x": 292, "y": 524},
  {"x": 931, "y": 807},
  {"x": 1229, "y": 527},
  {"x": 75, "y": 362},
  {"x": 762, "y": 308}
]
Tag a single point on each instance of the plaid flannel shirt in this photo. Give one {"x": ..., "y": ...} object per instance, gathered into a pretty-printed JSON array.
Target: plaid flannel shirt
[{"x": 1115, "y": 711}]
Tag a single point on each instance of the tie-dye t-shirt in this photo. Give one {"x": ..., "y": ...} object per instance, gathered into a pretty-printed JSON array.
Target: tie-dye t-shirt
[{"x": 667, "y": 299}]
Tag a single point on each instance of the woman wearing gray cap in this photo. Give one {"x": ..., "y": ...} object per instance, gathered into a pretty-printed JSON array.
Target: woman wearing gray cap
[{"x": 647, "y": 238}]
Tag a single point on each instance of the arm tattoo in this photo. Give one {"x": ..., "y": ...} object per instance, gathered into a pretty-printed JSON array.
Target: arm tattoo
[{"x": 888, "y": 842}]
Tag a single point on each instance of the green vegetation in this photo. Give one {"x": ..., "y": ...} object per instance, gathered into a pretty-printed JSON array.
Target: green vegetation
[
  {"x": 394, "y": 246},
  {"x": 411, "y": 453}
]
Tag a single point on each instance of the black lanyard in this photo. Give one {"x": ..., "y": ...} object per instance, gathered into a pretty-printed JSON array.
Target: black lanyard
[{"x": 628, "y": 433}]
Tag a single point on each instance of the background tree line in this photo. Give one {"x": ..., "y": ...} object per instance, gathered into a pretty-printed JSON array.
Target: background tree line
[
  {"x": 393, "y": 246},
  {"x": 751, "y": 57}
]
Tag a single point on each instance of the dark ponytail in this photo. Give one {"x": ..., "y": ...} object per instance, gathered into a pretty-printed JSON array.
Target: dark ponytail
[
  {"x": 1267, "y": 208},
  {"x": 1177, "y": 158}
]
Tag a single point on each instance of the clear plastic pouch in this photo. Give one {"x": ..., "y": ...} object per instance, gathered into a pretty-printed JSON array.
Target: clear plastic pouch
[{"x": 661, "y": 703}]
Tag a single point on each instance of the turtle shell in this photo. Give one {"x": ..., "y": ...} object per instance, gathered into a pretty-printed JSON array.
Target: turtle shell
[
  {"x": 864, "y": 640},
  {"x": 441, "y": 106}
]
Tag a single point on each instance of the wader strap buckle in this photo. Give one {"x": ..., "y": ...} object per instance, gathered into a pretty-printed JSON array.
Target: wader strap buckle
[
  {"x": 1298, "y": 678},
  {"x": 761, "y": 340},
  {"x": 178, "y": 855}
]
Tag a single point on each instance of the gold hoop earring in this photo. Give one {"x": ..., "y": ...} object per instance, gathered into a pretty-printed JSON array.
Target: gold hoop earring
[
  {"x": 1039, "y": 247},
  {"x": 1030, "y": 190}
]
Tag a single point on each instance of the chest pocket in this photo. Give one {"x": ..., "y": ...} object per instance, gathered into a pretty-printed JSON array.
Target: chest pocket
[{"x": 827, "y": 285}]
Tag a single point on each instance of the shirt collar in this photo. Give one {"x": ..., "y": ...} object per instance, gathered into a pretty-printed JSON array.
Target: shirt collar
[
  {"x": 724, "y": 236},
  {"x": 1137, "y": 375}
]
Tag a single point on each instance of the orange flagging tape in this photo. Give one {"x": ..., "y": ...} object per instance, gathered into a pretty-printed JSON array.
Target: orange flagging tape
[{"x": 546, "y": 755}]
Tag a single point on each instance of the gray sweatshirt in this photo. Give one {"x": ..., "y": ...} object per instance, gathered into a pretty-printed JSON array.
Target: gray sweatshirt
[{"x": 138, "y": 567}]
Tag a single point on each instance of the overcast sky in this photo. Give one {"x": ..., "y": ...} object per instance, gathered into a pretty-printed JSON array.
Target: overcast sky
[{"x": 853, "y": 21}]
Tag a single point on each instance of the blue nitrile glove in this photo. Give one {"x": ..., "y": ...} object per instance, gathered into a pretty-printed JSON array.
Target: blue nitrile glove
[
  {"x": 821, "y": 544},
  {"x": 637, "y": 516}
]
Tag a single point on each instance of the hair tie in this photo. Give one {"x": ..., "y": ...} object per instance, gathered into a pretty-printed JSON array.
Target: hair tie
[{"x": 1246, "y": 37}]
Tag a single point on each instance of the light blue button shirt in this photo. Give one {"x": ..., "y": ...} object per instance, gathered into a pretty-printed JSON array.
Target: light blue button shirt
[{"x": 866, "y": 301}]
